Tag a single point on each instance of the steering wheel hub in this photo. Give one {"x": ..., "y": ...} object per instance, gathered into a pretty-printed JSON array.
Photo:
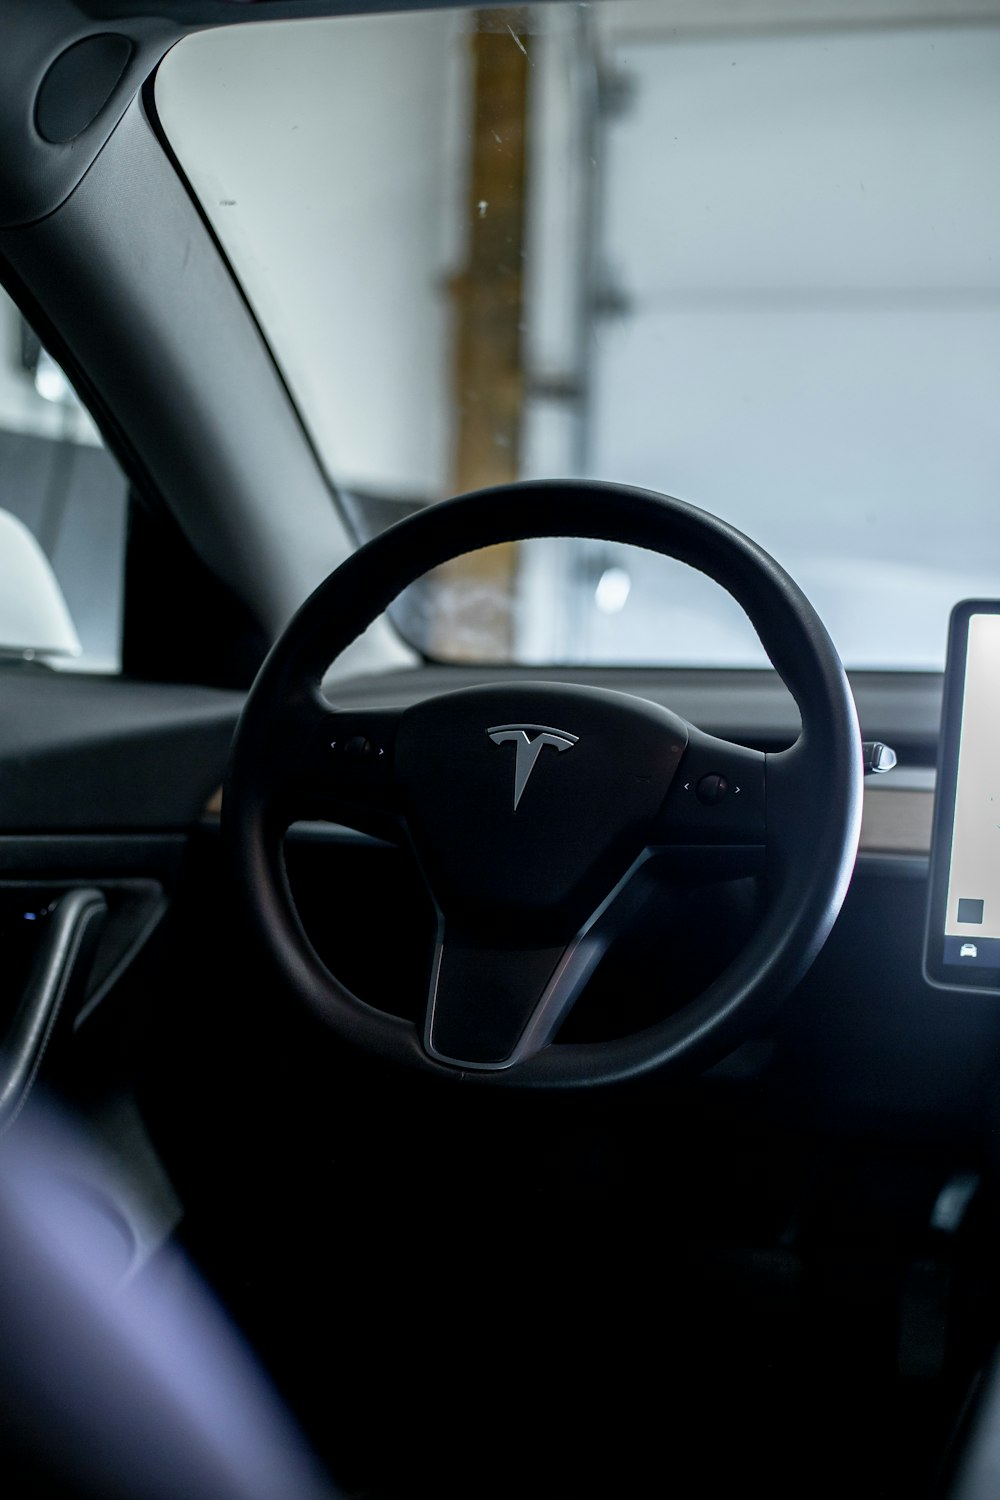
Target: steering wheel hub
[{"x": 526, "y": 804}]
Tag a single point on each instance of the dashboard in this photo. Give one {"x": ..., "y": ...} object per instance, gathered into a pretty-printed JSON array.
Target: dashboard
[{"x": 113, "y": 785}]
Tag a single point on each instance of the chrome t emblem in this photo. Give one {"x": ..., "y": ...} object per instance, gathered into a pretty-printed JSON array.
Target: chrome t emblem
[{"x": 530, "y": 740}]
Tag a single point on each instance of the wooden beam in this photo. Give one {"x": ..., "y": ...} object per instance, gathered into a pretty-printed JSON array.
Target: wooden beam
[
  {"x": 488, "y": 294},
  {"x": 488, "y": 307}
]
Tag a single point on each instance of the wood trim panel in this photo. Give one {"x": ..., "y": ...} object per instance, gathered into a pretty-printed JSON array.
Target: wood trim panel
[{"x": 895, "y": 820}]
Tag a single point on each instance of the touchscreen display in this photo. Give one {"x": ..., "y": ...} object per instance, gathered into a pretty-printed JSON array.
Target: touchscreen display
[{"x": 963, "y": 933}]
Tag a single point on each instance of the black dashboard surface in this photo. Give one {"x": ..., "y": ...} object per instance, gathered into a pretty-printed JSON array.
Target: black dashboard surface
[
  {"x": 80, "y": 752},
  {"x": 91, "y": 752},
  {"x": 751, "y": 707}
]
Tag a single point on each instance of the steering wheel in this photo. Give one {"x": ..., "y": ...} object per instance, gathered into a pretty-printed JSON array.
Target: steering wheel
[{"x": 531, "y": 807}]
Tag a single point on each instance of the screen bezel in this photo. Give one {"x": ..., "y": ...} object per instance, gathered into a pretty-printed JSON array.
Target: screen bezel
[{"x": 951, "y": 976}]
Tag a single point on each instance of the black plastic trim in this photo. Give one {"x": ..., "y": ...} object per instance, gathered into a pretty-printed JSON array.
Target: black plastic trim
[{"x": 60, "y": 969}]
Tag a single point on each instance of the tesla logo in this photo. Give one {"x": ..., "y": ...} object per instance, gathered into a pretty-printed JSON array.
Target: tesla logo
[{"x": 529, "y": 741}]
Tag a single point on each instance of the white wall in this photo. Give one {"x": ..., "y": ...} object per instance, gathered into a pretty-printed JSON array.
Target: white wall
[
  {"x": 807, "y": 232},
  {"x": 327, "y": 155}
]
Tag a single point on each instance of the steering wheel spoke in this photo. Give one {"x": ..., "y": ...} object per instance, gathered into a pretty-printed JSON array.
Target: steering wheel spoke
[
  {"x": 713, "y": 823},
  {"x": 493, "y": 1003},
  {"x": 335, "y": 765}
]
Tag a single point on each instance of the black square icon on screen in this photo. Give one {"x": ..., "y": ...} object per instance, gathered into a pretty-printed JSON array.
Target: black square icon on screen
[{"x": 970, "y": 911}]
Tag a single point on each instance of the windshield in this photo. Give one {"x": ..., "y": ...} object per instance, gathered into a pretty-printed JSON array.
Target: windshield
[{"x": 749, "y": 262}]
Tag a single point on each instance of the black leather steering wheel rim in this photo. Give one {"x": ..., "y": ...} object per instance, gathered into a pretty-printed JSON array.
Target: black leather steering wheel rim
[{"x": 813, "y": 789}]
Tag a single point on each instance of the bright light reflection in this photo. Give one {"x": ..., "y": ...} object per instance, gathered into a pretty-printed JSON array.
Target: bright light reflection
[{"x": 612, "y": 591}]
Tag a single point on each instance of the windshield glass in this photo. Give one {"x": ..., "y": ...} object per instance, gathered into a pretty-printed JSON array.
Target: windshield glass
[{"x": 744, "y": 255}]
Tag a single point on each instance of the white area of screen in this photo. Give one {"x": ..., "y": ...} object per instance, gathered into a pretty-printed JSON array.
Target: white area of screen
[{"x": 975, "y": 845}]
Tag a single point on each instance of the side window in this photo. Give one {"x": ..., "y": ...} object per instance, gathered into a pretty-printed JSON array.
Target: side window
[{"x": 60, "y": 484}]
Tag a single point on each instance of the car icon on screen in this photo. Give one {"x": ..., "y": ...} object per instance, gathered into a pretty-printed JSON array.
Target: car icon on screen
[{"x": 968, "y": 950}]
